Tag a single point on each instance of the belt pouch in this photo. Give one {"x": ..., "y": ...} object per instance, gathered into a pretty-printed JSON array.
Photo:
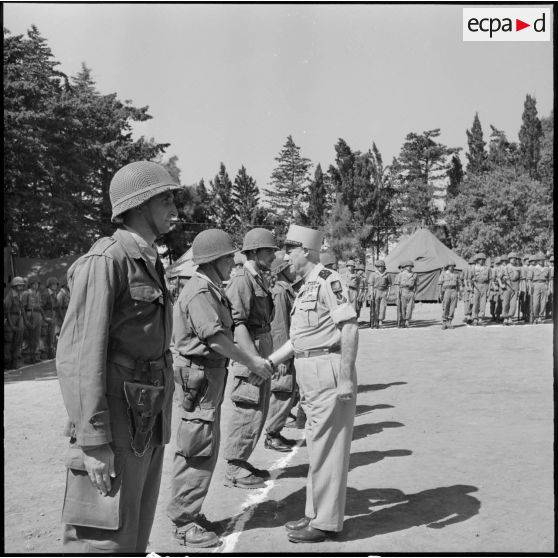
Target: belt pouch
[{"x": 243, "y": 390}]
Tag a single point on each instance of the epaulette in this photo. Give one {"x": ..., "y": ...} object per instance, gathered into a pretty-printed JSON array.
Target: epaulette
[
  {"x": 102, "y": 245},
  {"x": 325, "y": 273}
]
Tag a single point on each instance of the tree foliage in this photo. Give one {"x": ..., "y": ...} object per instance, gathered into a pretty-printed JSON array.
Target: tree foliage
[
  {"x": 245, "y": 198},
  {"x": 530, "y": 135},
  {"x": 477, "y": 158}
]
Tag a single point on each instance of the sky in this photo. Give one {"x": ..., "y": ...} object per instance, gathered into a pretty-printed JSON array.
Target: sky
[{"x": 228, "y": 83}]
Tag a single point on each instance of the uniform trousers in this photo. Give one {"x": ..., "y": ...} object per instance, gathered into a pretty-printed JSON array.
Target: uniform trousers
[
  {"x": 13, "y": 340},
  {"x": 449, "y": 302},
  {"x": 329, "y": 431},
  {"x": 35, "y": 322},
  {"x": 539, "y": 299},
  {"x": 480, "y": 293},
  {"x": 247, "y": 419},
  {"x": 378, "y": 303},
  {"x": 138, "y": 493},
  {"x": 407, "y": 303},
  {"x": 281, "y": 401},
  {"x": 509, "y": 302},
  {"x": 468, "y": 303},
  {"x": 48, "y": 332},
  {"x": 197, "y": 449}
]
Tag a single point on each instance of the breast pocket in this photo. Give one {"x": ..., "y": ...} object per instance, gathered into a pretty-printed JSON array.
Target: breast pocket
[
  {"x": 310, "y": 309},
  {"x": 145, "y": 298}
]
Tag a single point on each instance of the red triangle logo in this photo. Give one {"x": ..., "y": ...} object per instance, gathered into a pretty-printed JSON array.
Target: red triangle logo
[{"x": 519, "y": 25}]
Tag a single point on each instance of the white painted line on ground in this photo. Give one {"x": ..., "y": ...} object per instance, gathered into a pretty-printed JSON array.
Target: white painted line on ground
[{"x": 254, "y": 499}]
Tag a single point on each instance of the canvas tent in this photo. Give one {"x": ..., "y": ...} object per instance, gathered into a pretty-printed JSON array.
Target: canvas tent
[
  {"x": 183, "y": 267},
  {"x": 429, "y": 256}
]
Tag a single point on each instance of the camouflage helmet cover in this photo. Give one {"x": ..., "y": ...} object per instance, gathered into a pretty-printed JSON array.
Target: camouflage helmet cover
[{"x": 33, "y": 279}]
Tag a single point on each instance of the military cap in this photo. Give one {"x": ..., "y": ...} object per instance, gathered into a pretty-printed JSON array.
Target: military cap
[
  {"x": 311, "y": 239},
  {"x": 380, "y": 263},
  {"x": 327, "y": 258},
  {"x": 512, "y": 255},
  {"x": 496, "y": 260},
  {"x": 504, "y": 258},
  {"x": 472, "y": 260},
  {"x": 480, "y": 256},
  {"x": 526, "y": 258}
]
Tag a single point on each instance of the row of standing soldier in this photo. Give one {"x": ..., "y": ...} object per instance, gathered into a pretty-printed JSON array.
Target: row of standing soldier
[{"x": 32, "y": 319}]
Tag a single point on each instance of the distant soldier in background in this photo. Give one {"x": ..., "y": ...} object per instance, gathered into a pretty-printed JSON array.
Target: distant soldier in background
[
  {"x": 481, "y": 278},
  {"x": 49, "y": 302},
  {"x": 13, "y": 324},
  {"x": 352, "y": 284},
  {"x": 494, "y": 296},
  {"x": 63, "y": 297},
  {"x": 407, "y": 282},
  {"x": 550, "y": 298},
  {"x": 379, "y": 285},
  {"x": 33, "y": 317},
  {"x": 329, "y": 261},
  {"x": 510, "y": 280},
  {"x": 448, "y": 285},
  {"x": 468, "y": 291},
  {"x": 523, "y": 289},
  {"x": 540, "y": 278},
  {"x": 283, "y": 382},
  {"x": 361, "y": 292}
]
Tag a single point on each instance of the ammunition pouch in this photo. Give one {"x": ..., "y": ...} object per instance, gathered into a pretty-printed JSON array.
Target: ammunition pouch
[
  {"x": 244, "y": 391},
  {"x": 194, "y": 384},
  {"x": 283, "y": 382},
  {"x": 145, "y": 402}
]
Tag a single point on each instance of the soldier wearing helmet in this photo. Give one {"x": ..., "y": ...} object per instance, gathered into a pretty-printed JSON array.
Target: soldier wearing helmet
[
  {"x": 239, "y": 259},
  {"x": 252, "y": 311},
  {"x": 379, "y": 286},
  {"x": 353, "y": 282},
  {"x": 480, "y": 280},
  {"x": 324, "y": 341},
  {"x": 510, "y": 278},
  {"x": 524, "y": 289},
  {"x": 115, "y": 370},
  {"x": 540, "y": 279},
  {"x": 494, "y": 290},
  {"x": 51, "y": 326},
  {"x": 329, "y": 261},
  {"x": 63, "y": 297},
  {"x": 203, "y": 346},
  {"x": 33, "y": 318},
  {"x": 362, "y": 286},
  {"x": 550, "y": 302},
  {"x": 13, "y": 324},
  {"x": 468, "y": 291},
  {"x": 283, "y": 385},
  {"x": 449, "y": 285},
  {"x": 406, "y": 282}
]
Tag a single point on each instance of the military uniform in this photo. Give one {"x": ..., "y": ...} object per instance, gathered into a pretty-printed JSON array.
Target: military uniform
[
  {"x": 468, "y": 292},
  {"x": 50, "y": 325},
  {"x": 540, "y": 278},
  {"x": 353, "y": 284},
  {"x": 252, "y": 305},
  {"x": 550, "y": 297},
  {"x": 63, "y": 298},
  {"x": 13, "y": 326},
  {"x": 201, "y": 311},
  {"x": 361, "y": 289},
  {"x": 494, "y": 292},
  {"x": 115, "y": 372},
  {"x": 31, "y": 300},
  {"x": 480, "y": 279},
  {"x": 524, "y": 291},
  {"x": 321, "y": 305},
  {"x": 510, "y": 280},
  {"x": 448, "y": 283},
  {"x": 379, "y": 283},
  {"x": 406, "y": 282}
]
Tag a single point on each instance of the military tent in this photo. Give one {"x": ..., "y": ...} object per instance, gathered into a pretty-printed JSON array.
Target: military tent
[
  {"x": 183, "y": 267},
  {"x": 429, "y": 256}
]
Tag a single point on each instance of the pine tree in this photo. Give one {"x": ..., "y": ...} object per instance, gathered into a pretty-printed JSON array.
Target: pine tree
[
  {"x": 245, "y": 197},
  {"x": 340, "y": 231},
  {"x": 477, "y": 156},
  {"x": 288, "y": 180},
  {"x": 530, "y": 135},
  {"x": 317, "y": 200},
  {"x": 455, "y": 175},
  {"x": 501, "y": 152},
  {"x": 222, "y": 205}
]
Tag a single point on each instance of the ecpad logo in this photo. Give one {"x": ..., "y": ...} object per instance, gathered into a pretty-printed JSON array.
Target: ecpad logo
[{"x": 506, "y": 24}]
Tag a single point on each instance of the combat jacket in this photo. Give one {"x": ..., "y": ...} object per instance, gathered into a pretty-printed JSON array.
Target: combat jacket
[
  {"x": 50, "y": 304},
  {"x": 31, "y": 301},
  {"x": 201, "y": 311},
  {"x": 283, "y": 298},
  {"x": 13, "y": 310},
  {"x": 117, "y": 329},
  {"x": 251, "y": 300},
  {"x": 407, "y": 280},
  {"x": 510, "y": 277},
  {"x": 319, "y": 308},
  {"x": 379, "y": 281},
  {"x": 481, "y": 275},
  {"x": 540, "y": 274},
  {"x": 448, "y": 280}
]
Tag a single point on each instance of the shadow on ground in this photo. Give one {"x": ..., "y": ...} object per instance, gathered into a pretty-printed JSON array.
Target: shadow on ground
[
  {"x": 434, "y": 508},
  {"x": 364, "y": 430},
  {"x": 376, "y": 387},
  {"x": 42, "y": 371},
  {"x": 364, "y": 409},
  {"x": 357, "y": 459}
]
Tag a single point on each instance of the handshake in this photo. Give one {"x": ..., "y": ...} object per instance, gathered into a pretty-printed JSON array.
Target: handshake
[{"x": 261, "y": 369}]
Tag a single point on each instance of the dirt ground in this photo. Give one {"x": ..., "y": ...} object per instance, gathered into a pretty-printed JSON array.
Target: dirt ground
[{"x": 452, "y": 452}]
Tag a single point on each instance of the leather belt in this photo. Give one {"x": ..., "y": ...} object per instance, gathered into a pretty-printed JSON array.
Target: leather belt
[
  {"x": 451, "y": 288},
  {"x": 141, "y": 366},
  {"x": 317, "y": 352},
  {"x": 202, "y": 362},
  {"x": 539, "y": 281},
  {"x": 257, "y": 331}
]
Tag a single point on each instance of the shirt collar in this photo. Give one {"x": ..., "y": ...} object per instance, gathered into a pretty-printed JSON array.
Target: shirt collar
[
  {"x": 146, "y": 250},
  {"x": 312, "y": 275}
]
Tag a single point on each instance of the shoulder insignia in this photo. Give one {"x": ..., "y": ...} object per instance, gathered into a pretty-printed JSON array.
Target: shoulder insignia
[
  {"x": 325, "y": 273},
  {"x": 336, "y": 286}
]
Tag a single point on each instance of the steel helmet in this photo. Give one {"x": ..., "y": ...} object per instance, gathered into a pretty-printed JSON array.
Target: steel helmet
[
  {"x": 407, "y": 263},
  {"x": 380, "y": 263},
  {"x": 360, "y": 267},
  {"x": 210, "y": 245},
  {"x": 136, "y": 183},
  {"x": 496, "y": 260},
  {"x": 51, "y": 281},
  {"x": 480, "y": 256},
  {"x": 512, "y": 255},
  {"x": 18, "y": 281},
  {"x": 279, "y": 263},
  {"x": 526, "y": 258},
  {"x": 450, "y": 263},
  {"x": 328, "y": 258},
  {"x": 551, "y": 258},
  {"x": 32, "y": 279},
  {"x": 532, "y": 258},
  {"x": 472, "y": 260},
  {"x": 540, "y": 257},
  {"x": 259, "y": 238},
  {"x": 351, "y": 263}
]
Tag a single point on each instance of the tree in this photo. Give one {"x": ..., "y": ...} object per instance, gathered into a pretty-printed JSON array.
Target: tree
[
  {"x": 340, "y": 232},
  {"x": 477, "y": 156},
  {"x": 530, "y": 135},
  {"x": 546, "y": 161},
  {"x": 288, "y": 180},
  {"x": 455, "y": 175},
  {"x": 501, "y": 152},
  {"x": 222, "y": 204},
  {"x": 245, "y": 198},
  {"x": 316, "y": 197}
]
